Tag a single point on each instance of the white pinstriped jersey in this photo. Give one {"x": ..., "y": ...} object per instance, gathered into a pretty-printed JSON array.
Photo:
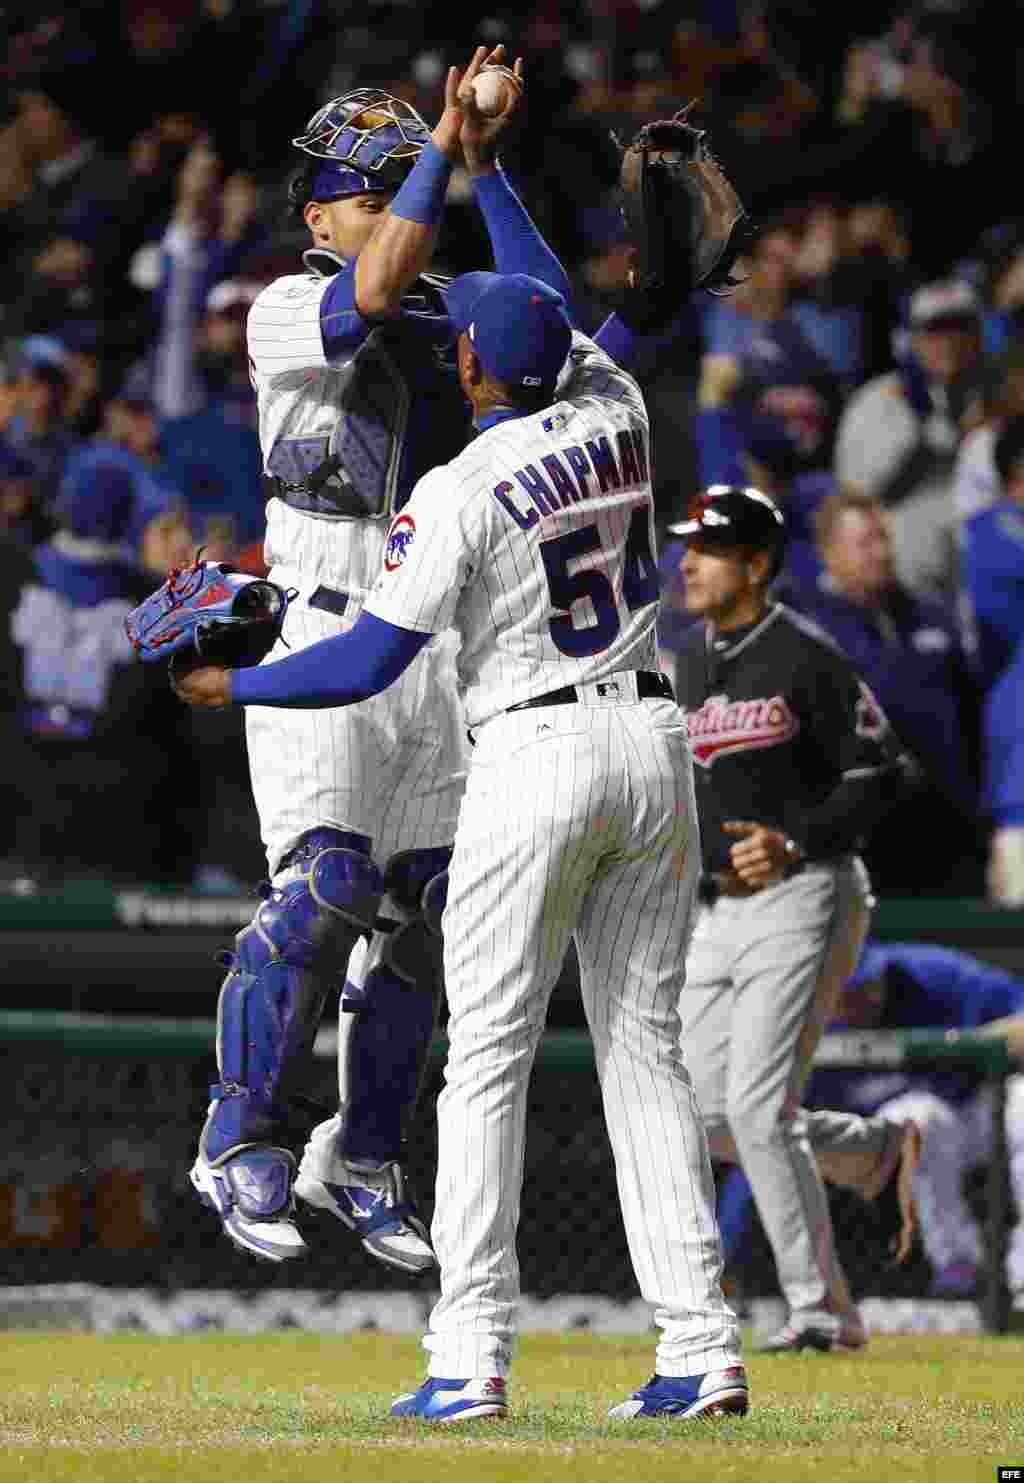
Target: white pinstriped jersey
[
  {"x": 537, "y": 544},
  {"x": 380, "y": 396},
  {"x": 385, "y": 399}
]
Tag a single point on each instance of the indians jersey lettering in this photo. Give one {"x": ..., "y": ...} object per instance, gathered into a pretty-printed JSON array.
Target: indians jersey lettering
[
  {"x": 722, "y": 726},
  {"x": 537, "y": 544},
  {"x": 777, "y": 720}
]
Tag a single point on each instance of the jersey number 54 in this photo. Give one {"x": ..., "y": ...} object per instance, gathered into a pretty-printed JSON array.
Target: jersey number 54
[{"x": 639, "y": 585}]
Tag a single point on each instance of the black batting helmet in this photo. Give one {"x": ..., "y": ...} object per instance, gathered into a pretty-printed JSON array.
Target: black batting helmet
[{"x": 734, "y": 515}]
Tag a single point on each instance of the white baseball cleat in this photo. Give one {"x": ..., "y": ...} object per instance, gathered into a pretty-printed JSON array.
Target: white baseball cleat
[
  {"x": 251, "y": 1192},
  {"x": 369, "y": 1199}
]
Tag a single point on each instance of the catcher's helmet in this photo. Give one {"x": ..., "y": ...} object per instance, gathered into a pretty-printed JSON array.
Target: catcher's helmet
[
  {"x": 731, "y": 515},
  {"x": 366, "y": 140}
]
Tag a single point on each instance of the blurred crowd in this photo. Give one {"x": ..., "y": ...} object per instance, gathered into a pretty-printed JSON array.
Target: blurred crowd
[{"x": 869, "y": 372}]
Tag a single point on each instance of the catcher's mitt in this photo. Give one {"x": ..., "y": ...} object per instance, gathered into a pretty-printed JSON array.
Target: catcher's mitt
[
  {"x": 686, "y": 221},
  {"x": 211, "y": 614}
]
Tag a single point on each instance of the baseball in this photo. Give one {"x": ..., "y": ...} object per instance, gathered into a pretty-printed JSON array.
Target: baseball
[{"x": 493, "y": 88}]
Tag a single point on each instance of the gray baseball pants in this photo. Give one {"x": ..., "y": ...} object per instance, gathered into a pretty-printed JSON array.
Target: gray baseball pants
[{"x": 762, "y": 978}]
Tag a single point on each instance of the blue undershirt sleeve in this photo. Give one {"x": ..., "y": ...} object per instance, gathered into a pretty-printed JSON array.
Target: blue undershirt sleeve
[
  {"x": 335, "y": 672},
  {"x": 517, "y": 245},
  {"x": 422, "y": 194}
]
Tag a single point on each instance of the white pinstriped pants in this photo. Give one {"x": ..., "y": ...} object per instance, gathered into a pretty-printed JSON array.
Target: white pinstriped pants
[
  {"x": 578, "y": 820},
  {"x": 391, "y": 768}
]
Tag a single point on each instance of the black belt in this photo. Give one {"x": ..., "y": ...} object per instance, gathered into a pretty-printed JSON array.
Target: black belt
[
  {"x": 329, "y": 600},
  {"x": 711, "y": 886},
  {"x": 649, "y": 686}
]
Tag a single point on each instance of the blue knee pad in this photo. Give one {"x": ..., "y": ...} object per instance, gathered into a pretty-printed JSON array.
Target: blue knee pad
[
  {"x": 387, "y": 1044},
  {"x": 270, "y": 1004}
]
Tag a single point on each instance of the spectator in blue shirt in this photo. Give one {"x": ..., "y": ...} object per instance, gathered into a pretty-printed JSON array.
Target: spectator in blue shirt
[
  {"x": 95, "y": 725},
  {"x": 1003, "y": 727},
  {"x": 993, "y": 562},
  {"x": 38, "y": 430},
  {"x": 900, "y": 433},
  {"x": 909, "y": 652},
  {"x": 113, "y": 527},
  {"x": 201, "y": 389},
  {"x": 761, "y": 374},
  {"x": 831, "y": 293}
]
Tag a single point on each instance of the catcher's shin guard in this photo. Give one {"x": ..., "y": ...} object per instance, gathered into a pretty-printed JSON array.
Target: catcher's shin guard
[
  {"x": 382, "y": 1048},
  {"x": 270, "y": 1004}
]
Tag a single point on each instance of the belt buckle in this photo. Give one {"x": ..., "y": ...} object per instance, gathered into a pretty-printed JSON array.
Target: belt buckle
[
  {"x": 617, "y": 689},
  {"x": 329, "y": 600}
]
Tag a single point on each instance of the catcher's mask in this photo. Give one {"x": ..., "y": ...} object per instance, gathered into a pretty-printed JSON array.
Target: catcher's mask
[
  {"x": 366, "y": 140},
  {"x": 730, "y": 515}
]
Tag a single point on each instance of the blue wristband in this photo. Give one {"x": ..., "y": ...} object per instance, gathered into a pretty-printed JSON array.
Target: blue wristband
[{"x": 421, "y": 195}]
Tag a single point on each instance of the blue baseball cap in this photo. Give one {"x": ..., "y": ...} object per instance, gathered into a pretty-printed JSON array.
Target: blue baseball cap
[
  {"x": 518, "y": 326},
  {"x": 96, "y": 498},
  {"x": 136, "y": 390},
  {"x": 46, "y": 356}
]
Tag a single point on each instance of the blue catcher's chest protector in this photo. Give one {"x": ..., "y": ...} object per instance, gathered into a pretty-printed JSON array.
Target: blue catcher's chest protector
[{"x": 387, "y": 416}]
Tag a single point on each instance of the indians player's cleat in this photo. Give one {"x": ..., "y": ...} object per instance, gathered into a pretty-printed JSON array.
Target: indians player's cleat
[
  {"x": 251, "y": 1192},
  {"x": 369, "y": 1200},
  {"x": 454, "y": 1400},
  {"x": 718, "y": 1393},
  {"x": 824, "y": 1334}
]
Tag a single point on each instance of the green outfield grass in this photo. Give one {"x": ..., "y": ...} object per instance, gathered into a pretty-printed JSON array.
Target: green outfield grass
[{"x": 132, "y": 1408}]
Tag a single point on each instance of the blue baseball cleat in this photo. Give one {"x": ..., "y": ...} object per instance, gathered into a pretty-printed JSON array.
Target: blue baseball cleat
[
  {"x": 718, "y": 1393},
  {"x": 370, "y": 1200},
  {"x": 454, "y": 1400},
  {"x": 251, "y": 1192}
]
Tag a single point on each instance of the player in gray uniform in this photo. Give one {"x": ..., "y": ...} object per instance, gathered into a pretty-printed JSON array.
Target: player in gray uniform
[
  {"x": 537, "y": 545},
  {"x": 353, "y": 364},
  {"x": 793, "y": 762}
]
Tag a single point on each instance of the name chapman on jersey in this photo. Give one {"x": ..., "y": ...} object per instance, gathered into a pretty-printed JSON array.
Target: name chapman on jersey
[{"x": 567, "y": 477}]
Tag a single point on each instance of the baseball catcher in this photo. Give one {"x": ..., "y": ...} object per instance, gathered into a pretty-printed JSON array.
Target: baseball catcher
[
  {"x": 686, "y": 221},
  {"x": 210, "y": 614}
]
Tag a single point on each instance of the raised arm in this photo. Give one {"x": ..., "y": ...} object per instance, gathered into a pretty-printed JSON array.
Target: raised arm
[
  {"x": 403, "y": 244},
  {"x": 517, "y": 245},
  {"x": 185, "y": 255}
]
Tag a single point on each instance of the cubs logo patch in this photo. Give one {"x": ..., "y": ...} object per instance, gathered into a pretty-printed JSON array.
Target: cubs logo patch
[{"x": 400, "y": 538}]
